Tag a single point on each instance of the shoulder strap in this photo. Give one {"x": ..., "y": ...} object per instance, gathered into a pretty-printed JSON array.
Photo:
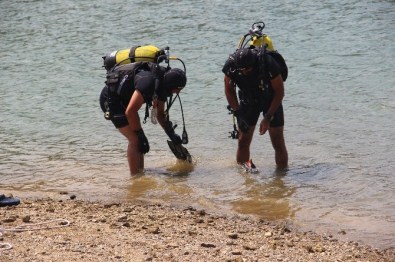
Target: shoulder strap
[{"x": 262, "y": 64}]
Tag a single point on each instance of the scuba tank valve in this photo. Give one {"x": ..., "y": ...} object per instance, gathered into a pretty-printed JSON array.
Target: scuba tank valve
[{"x": 167, "y": 54}]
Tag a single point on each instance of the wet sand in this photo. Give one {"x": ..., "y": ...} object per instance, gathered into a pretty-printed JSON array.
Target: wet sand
[{"x": 92, "y": 231}]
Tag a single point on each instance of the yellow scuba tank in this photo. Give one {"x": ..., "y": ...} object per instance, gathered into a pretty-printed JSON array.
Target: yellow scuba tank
[
  {"x": 256, "y": 38},
  {"x": 262, "y": 40},
  {"x": 147, "y": 53}
]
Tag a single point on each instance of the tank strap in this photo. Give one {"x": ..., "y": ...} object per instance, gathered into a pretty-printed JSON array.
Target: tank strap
[{"x": 132, "y": 53}]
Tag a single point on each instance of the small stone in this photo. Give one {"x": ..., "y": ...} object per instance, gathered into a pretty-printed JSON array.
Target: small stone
[
  {"x": 233, "y": 235},
  {"x": 207, "y": 245},
  {"x": 268, "y": 234},
  {"x": 128, "y": 210},
  {"x": 155, "y": 230},
  {"x": 10, "y": 219},
  {"x": 190, "y": 208},
  {"x": 290, "y": 244},
  {"x": 236, "y": 253},
  {"x": 26, "y": 219},
  {"x": 309, "y": 248},
  {"x": 72, "y": 197},
  {"x": 127, "y": 224},
  {"x": 64, "y": 223},
  {"x": 192, "y": 233},
  {"x": 199, "y": 220},
  {"x": 202, "y": 212},
  {"x": 319, "y": 249},
  {"x": 122, "y": 218},
  {"x": 173, "y": 245},
  {"x": 249, "y": 247}
]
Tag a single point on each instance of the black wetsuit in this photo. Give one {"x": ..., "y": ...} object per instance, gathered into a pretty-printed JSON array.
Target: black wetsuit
[{"x": 256, "y": 94}]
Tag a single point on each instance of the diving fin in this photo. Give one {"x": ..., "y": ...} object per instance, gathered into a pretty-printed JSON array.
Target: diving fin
[{"x": 180, "y": 151}]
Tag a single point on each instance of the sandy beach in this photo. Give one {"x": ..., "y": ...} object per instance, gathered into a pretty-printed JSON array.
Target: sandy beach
[{"x": 67, "y": 229}]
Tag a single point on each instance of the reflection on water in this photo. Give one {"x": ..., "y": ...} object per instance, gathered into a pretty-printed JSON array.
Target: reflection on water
[
  {"x": 139, "y": 186},
  {"x": 164, "y": 185},
  {"x": 268, "y": 199}
]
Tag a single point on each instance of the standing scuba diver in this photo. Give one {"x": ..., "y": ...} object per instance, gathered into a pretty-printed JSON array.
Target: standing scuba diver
[
  {"x": 128, "y": 86},
  {"x": 260, "y": 79}
]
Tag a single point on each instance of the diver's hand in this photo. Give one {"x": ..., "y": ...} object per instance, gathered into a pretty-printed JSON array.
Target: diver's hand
[
  {"x": 143, "y": 141},
  {"x": 264, "y": 126},
  {"x": 169, "y": 129}
]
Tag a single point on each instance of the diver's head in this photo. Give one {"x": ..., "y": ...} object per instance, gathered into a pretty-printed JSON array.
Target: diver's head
[
  {"x": 245, "y": 58},
  {"x": 174, "y": 80}
]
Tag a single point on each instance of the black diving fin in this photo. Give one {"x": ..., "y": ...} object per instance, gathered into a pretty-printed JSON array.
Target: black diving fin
[{"x": 180, "y": 151}]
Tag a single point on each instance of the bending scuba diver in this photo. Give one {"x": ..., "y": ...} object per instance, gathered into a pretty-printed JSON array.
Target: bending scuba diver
[
  {"x": 134, "y": 77},
  {"x": 259, "y": 72}
]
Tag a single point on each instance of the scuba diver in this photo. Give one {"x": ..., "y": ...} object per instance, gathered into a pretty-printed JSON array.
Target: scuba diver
[
  {"x": 259, "y": 74},
  {"x": 134, "y": 77}
]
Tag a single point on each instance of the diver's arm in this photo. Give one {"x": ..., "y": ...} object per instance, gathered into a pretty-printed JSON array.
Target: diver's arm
[
  {"x": 230, "y": 93},
  {"x": 131, "y": 112},
  {"x": 278, "y": 87}
]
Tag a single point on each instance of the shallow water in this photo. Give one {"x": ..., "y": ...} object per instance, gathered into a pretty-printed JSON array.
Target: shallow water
[{"x": 339, "y": 108}]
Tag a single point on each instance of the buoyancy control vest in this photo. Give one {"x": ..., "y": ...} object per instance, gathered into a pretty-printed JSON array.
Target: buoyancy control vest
[
  {"x": 120, "y": 84},
  {"x": 120, "y": 79},
  {"x": 147, "y": 53}
]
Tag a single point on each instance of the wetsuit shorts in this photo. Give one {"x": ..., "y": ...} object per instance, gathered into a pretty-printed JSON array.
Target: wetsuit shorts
[{"x": 251, "y": 115}]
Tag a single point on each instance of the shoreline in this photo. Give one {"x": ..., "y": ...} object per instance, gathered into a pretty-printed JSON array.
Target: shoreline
[{"x": 140, "y": 231}]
